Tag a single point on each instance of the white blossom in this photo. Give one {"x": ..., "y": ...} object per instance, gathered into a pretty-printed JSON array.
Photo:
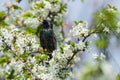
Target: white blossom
[
  {"x": 33, "y": 22},
  {"x": 79, "y": 30},
  {"x": 80, "y": 45},
  {"x": 100, "y": 56},
  {"x": 106, "y": 29},
  {"x": 47, "y": 5},
  {"x": 95, "y": 35},
  {"x": 95, "y": 56}
]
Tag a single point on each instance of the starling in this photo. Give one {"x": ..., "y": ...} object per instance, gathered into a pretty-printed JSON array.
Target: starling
[{"x": 47, "y": 37}]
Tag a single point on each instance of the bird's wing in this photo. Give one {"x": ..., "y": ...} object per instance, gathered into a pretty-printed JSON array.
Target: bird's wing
[
  {"x": 48, "y": 40},
  {"x": 42, "y": 39},
  {"x": 53, "y": 41}
]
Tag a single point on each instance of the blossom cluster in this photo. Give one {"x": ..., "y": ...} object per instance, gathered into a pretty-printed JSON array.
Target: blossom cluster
[
  {"x": 43, "y": 9},
  {"x": 20, "y": 51},
  {"x": 101, "y": 56},
  {"x": 17, "y": 41},
  {"x": 18, "y": 45},
  {"x": 79, "y": 30},
  {"x": 97, "y": 71},
  {"x": 22, "y": 57}
]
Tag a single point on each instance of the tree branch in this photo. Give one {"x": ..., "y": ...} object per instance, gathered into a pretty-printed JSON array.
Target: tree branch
[{"x": 84, "y": 38}]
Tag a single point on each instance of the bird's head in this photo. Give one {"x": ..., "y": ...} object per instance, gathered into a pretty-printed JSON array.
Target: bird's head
[{"x": 46, "y": 24}]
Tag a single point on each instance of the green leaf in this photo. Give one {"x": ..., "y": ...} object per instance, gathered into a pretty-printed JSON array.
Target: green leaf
[
  {"x": 101, "y": 44},
  {"x": 30, "y": 30},
  {"x": 41, "y": 57},
  {"x": 38, "y": 29},
  {"x": 82, "y": 0},
  {"x": 37, "y": 56},
  {"x": 24, "y": 56},
  {"x": 63, "y": 7},
  {"x": 87, "y": 43},
  {"x": 2, "y": 14},
  {"x": 3, "y": 23},
  {"x": 16, "y": 7},
  {"x": 56, "y": 1},
  {"x": 27, "y": 15},
  {"x": 76, "y": 22},
  {"x": 118, "y": 77},
  {"x": 72, "y": 43},
  {"x": 11, "y": 75},
  {"x": 61, "y": 48},
  {"x": 39, "y": 5},
  {"x": 44, "y": 56},
  {"x": 4, "y": 59},
  {"x": 18, "y": 1},
  {"x": 110, "y": 6},
  {"x": 27, "y": 74}
]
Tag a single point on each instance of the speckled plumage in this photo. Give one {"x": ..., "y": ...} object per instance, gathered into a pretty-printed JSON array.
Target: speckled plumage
[{"x": 47, "y": 37}]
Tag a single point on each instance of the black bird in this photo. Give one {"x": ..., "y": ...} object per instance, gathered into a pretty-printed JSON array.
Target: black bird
[{"x": 47, "y": 37}]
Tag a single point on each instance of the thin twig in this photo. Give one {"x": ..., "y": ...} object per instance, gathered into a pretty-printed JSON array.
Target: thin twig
[
  {"x": 69, "y": 60},
  {"x": 62, "y": 32},
  {"x": 9, "y": 48},
  {"x": 84, "y": 38}
]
